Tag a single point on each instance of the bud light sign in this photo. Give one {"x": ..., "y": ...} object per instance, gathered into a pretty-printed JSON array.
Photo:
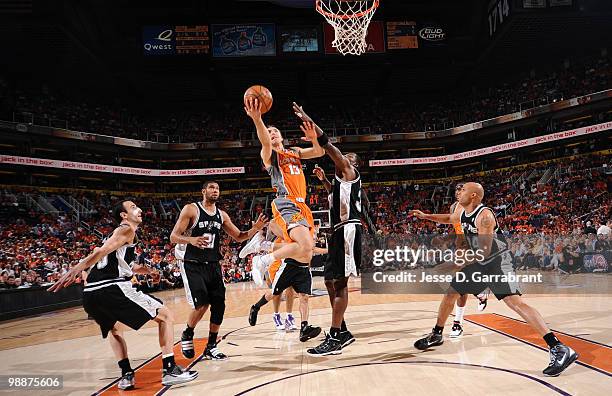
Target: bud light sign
[
  {"x": 431, "y": 34},
  {"x": 244, "y": 40},
  {"x": 158, "y": 40}
]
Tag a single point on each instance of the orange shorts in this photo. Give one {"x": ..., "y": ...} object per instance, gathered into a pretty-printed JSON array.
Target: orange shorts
[
  {"x": 272, "y": 270},
  {"x": 289, "y": 213}
]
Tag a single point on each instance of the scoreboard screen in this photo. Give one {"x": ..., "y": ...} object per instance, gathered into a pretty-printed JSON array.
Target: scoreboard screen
[
  {"x": 192, "y": 39},
  {"x": 402, "y": 35},
  {"x": 299, "y": 39}
]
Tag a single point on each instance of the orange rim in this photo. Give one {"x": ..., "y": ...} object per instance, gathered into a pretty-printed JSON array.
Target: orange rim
[{"x": 321, "y": 11}]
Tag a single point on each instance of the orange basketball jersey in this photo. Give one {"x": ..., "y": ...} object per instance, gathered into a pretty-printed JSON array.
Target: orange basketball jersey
[{"x": 287, "y": 175}]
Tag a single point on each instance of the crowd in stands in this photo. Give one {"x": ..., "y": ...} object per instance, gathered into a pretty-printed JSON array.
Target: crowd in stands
[
  {"x": 565, "y": 212},
  {"x": 36, "y": 249},
  {"x": 226, "y": 121}
]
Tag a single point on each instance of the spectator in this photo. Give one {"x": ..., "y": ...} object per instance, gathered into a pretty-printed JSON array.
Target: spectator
[
  {"x": 604, "y": 229},
  {"x": 589, "y": 229}
]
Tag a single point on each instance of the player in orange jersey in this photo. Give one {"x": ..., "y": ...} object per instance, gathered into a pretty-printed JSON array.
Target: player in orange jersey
[
  {"x": 289, "y": 207},
  {"x": 290, "y": 213}
]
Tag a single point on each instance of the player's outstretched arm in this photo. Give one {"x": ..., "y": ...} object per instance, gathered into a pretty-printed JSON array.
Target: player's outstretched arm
[
  {"x": 239, "y": 236},
  {"x": 310, "y": 135},
  {"x": 301, "y": 114},
  {"x": 438, "y": 218},
  {"x": 340, "y": 161},
  {"x": 120, "y": 237},
  {"x": 253, "y": 109}
]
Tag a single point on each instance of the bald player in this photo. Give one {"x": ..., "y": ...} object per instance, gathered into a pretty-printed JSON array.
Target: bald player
[
  {"x": 482, "y": 232},
  {"x": 457, "y": 329}
]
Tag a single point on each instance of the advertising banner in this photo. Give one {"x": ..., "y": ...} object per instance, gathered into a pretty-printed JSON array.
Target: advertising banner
[
  {"x": 495, "y": 149},
  {"x": 48, "y": 163},
  {"x": 257, "y": 39},
  {"x": 158, "y": 40}
]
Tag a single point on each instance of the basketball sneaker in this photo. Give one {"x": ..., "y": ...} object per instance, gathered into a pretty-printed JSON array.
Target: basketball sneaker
[
  {"x": 187, "y": 345},
  {"x": 561, "y": 356},
  {"x": 290, "y": 323},
  {"x": 456, "y": 330},
  {"x": 177, "y": 375},
  {"x": 309, "y": 332},
  {"x": 482, "y": 300},
  {"x": 253, "y": 245},
  {"x": 253, "y": 315},
  {"x": 212, "y": 353},
  {"x": 346, "y": 338},
  {"x": 127, "y": 381},
  {"x": 257, "y": 270},
  {"x": 330, "y": 346},
  {"x": 432, "y": 339},
  {"x": 278, "y": 321}
]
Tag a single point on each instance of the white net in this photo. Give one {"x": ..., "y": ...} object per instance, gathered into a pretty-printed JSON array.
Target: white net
[{"x": 350, "y": 20}]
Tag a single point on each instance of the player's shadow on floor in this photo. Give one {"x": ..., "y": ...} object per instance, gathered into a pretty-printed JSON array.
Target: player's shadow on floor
[
  {"x": 280, "y": 365},
  {"x": 363, "y": 336},
  {"x": 381, "y": 357}
]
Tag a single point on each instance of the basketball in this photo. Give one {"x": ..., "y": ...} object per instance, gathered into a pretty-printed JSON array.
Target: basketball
[{"x": 262, "y": 94}]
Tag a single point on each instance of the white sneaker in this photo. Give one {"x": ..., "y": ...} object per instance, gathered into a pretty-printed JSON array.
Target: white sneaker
[
  {"x": 253, "y": 245},
  {"x": 278, "y": 321},
  {"x": 257, "y": 270},
  {"x": 126, "y": 382},
  {"x": 177, "y": 376},
  {"x": 456, "y": 331},
  {"x": 290, "y": 323}
]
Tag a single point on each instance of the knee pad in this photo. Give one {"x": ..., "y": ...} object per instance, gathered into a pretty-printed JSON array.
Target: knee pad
[{"x": 217, "y": 310}]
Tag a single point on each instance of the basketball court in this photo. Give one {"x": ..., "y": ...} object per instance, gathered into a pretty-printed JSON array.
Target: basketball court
[{"x": 497, "y": 351}]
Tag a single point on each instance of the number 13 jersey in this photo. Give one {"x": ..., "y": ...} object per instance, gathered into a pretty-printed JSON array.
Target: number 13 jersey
[{"x": 287, "y": 175}]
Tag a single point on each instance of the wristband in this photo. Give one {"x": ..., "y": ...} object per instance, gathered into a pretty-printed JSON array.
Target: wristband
[{"x": 323, "y": 139}]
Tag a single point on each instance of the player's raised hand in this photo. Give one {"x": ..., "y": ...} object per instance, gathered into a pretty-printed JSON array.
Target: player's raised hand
[
  {"x": 66, "y": 280},
  {"x": 319, "y": 172},
  {"x": 417, "y": 213},
  {"x": 309, "y": 130},
  {"x": 252, "y": 106},
  {"x": 299, "y": 112},
  {"x": 261, "y": 222}
]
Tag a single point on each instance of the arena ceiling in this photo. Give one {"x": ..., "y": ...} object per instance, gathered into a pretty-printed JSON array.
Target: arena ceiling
[{"x": 95, "y": 46}]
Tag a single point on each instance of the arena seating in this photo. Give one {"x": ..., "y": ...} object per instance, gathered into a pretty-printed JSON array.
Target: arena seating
[
  {"x": 224, "y": 121},
  {"x": 35, "y": 248}
]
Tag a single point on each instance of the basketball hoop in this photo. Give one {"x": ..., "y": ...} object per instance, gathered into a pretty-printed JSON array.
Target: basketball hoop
[{"x": 350, "y": 20}]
